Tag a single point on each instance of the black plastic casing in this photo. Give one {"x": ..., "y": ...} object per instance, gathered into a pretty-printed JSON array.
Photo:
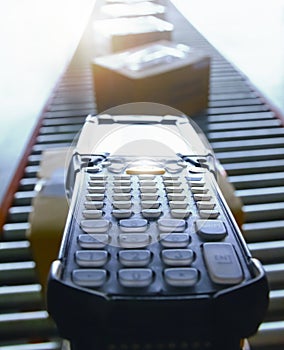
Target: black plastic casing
[
  {"x": 211, "y": 316},
  {"x": 93, "y": 321}
]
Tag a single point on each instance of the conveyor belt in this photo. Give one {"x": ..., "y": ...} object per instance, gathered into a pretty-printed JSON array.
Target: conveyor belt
[{"x": 248, "y": 139}]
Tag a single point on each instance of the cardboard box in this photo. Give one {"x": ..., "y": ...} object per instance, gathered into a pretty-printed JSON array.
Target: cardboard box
[
  {"x": 50, "y": 209},
  {"x": 162, "y": 72},
  {"x": 118, "y": 34}
]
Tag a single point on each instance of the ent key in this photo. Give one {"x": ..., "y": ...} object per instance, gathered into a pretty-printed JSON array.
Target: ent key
[{"x": 222, "y": 263}]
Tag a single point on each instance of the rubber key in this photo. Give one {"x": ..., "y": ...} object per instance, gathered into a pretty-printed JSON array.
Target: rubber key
[
  {"x": 91, "y": 258},
  {"x": 135, "y": 277},
  {"x": 89, "y": 277},
  {"x": 177, "y": 257},
  {"x": 222, "y": 263},
  {"x": 174, "y": 240},
  {"x": 134, "y": 240},
  {"x": 93, "y": 241},
  {"x": 211, "y": 230},
  {"x": 171, "y": 225},
  {"x": 181, "y": 277},
  {"x": 134, "y": 258},
  {"x": 133, "y": 225},
  {"x": 95, "y": 226}
]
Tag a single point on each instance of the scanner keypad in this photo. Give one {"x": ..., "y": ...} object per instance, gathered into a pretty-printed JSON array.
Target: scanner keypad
[{"x": 177, "y": 214}]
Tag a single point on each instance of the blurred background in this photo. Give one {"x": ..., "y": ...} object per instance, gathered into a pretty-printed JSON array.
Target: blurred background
[
  {"x": 38, "y": 39},
  {"x": 247, "y": 33}
]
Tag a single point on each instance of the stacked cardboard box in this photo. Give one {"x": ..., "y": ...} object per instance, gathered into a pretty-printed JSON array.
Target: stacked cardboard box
[{"x": 162, "y": 72}]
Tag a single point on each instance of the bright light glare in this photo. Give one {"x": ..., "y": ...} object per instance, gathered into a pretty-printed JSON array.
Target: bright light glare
[
  {"x": 128, "y": 140},
  {"x": 142, "y": 24},
  {"x": 133, "y": 9},
  {"x": 36, "y": 38}
]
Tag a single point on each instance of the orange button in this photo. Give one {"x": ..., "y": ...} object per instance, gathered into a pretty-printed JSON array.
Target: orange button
[{"x": 144, "y": 169}]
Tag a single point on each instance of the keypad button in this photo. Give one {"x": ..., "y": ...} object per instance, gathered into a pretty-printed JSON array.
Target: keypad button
[
  {"x": 146, "y": 177},
  {"x": 134, "y": 258},
  {"x": 176, "y": 197},
  {"x": 180, "y": 213},
  {"x": 178, "y": 204},
  {"x": 174, "y": 240},
  {"x": 95, "y": 226},
  {"x": 91, "y": 258},
  {"x": 92, "y": 214},
  {"x": 93, "y": 241},
  {"x": 171, "y": 177},
  {"x": 205, "y": 205},
  {"x": 97, "y": 183},
  {"x": 121, "y": 213},
  {"x": 151, "y": 213},
  {"x": 93, "y": 170},
  {"x": 175, "y": 166},
  {"x": 199, "y": 190},
  {"x": 174, "y": 189},
  {"x": 145, "y": 183},
  {"x": 123, "y": 183},
  {"x": 134, "y": 240},
  {"x": 97, "y": 177},
  {"x": 171, "y": 225},
  {"x": 99, "y": 197},
  {"x": 121, "y": 197},
  {"x": 177, "y": 257},
  {"x": 196, "y": 183},
  {"x": 148, "y": 189},
  {"x": 120, "y": 189},
  {"x": 208, "y": 214},
  {"x": 202, "y": 197},
  {"x": 136, "y": 278},
  {"x": 181, "y": 277},
  {"x": 149, "y": 196},
  {"x": 122, "y": 204},
  {"x": 195, "y": 177},
  {"x": 133, "y": 225},
  {"x": 115, "y": 168},
  {"x": 145, "y": 170},
  {"x": 122, "y": 177},
  {"x": 94, "y": 205},
  {"x": 222, "y": 263},
  {"x": 211, "y": 229},
  {"x": 172, "y": 183},
  {"x": 89, "y": 277},
  {"x": 91, "y": 189},
  {"x": 150, "y": 204}
]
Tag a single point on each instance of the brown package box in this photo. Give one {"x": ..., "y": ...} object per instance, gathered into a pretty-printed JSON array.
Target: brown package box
[
  {"x": 117, "y": 34},
  {"x": 50, "y": 208},
  {"x": 162, "y": 72}
]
